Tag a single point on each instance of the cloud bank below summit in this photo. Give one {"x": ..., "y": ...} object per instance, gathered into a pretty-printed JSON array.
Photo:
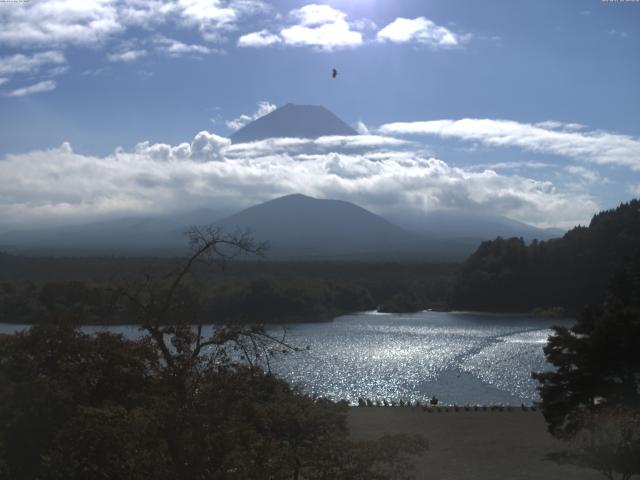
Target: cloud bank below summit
[{"x": 381, "y": 173}]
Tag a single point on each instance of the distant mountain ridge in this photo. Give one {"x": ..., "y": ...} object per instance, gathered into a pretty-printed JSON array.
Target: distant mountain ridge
[
  {"x": 159, "y": 235},
  {"x": 471, "y": 225},
  {"x": 305, "y": 227},
  {"x": 297, "y": 227},
  {"x": 290, "y": 120}
]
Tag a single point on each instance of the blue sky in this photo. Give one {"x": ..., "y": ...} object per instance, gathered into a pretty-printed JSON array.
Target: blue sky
[{"x": 530, "y": 107}]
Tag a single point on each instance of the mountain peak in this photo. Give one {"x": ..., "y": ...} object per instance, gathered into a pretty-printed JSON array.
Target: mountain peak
[
  {"x": 291, "y": 120},
  {"x": 302, "y": 226}
]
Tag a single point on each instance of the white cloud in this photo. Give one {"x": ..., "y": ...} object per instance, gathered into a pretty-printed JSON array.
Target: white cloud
[
  {"x": 635, "y": 190},
  {"x": 264, "y": 108},
  {"x": 98, "y": 24},
  {"x": 307, "y": 148},
  {"x": 176, "y": 48},
  {"x": 314, "y": 15},
  {"x": 60, "y": 185},
  {"x": 207, "y": 11},
  {"x": 618, "y": 33},
  {"x": 208, "y": 146},
  {"x": 44, "y": 64},
  {"x": 44, "y": 86},
  {"x": 360, "y": 141},
  {"x": 327, "y": 37},
  {"x": 419, "y": 30},
  {"x": 327, "y": 28},
  {"x": 361, "y": 128},
  {"x": 594, "y": 146},
  {"x": 205, "y": 147},
  {"x": 60, "y": 22},
  {"x": 127, "y": 56},
  {"x": 363, "y": 24},
  {"x": 29, "y": 64},
  {"x": 55, "y": 71},
  {"x": 268, "y": 146},
  {"x": 512, "y": 165},
  {"x": 555, "y": 125},
  {"x": 349, "y": 167},
  {"x": 586, "y": 175},
  {"x": 215, "y": 18},
  {"x": 263, "y": 38},
  {"x": 91, "y": 22},
  {"x": 319, "y": 26},
  {"x": 144, "y": 13}
]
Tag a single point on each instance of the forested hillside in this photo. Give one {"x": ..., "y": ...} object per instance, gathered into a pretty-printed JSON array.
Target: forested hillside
[
  {"x": 569, "y": 272},
  {"x": 85, "y": 289}
]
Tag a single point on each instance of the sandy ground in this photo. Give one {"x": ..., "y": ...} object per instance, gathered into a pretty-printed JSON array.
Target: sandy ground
[{"x": 472, "y": 445}]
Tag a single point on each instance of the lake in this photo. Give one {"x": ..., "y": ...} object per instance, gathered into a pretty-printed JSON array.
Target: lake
[{"x": 458, "y": 357}]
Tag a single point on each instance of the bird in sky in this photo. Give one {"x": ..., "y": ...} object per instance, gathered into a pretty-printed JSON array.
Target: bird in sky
[{"x": 334, "y": 73}]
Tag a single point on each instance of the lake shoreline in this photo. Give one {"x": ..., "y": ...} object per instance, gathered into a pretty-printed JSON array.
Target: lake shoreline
[
  {"x": 460, "y": 358},
  {"x": 320, "y": 319}
]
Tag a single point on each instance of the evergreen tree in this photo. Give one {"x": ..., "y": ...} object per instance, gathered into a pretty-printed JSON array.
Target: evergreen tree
[
  {"x": 569, "y": 272},
  {"x": 597, "y": 364}
]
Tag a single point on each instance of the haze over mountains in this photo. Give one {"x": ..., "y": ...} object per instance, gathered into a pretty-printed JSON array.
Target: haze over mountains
[
  {"x": 296, "y": 226},
  {"x": 472, "y": 225},
  {"x": 127, "y": 236}
]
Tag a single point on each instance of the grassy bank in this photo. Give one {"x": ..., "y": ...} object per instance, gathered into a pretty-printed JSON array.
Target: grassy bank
[{"x": 480, "y": 445}]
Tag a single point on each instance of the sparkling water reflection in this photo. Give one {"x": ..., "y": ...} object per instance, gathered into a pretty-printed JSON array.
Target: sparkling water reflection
[{"x": 459, "y": 357}]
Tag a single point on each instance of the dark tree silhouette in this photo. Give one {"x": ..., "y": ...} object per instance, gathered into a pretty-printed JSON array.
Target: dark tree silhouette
[
  {"x": 569, "y": 272},
  {"x": 177, "y": 404},
  {"x": 592, "y": 398},
  {"x": 597, "y": 363}
]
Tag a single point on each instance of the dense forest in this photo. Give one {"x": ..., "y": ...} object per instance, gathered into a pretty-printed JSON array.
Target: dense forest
[
  {"x": 569, "y": 272},
  {"x": 556, "y": 277},
  {"x": 93, "y": 290}
]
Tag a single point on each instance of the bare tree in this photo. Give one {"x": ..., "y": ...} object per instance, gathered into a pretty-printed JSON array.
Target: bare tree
[{"x": 168, "y": 313}]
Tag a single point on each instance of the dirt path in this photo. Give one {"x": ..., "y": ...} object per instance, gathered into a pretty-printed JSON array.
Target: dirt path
[{"x": 473, "y": 445}]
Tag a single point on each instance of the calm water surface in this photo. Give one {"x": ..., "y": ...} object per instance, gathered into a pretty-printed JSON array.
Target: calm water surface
[{"x": 458, "y": 357}]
